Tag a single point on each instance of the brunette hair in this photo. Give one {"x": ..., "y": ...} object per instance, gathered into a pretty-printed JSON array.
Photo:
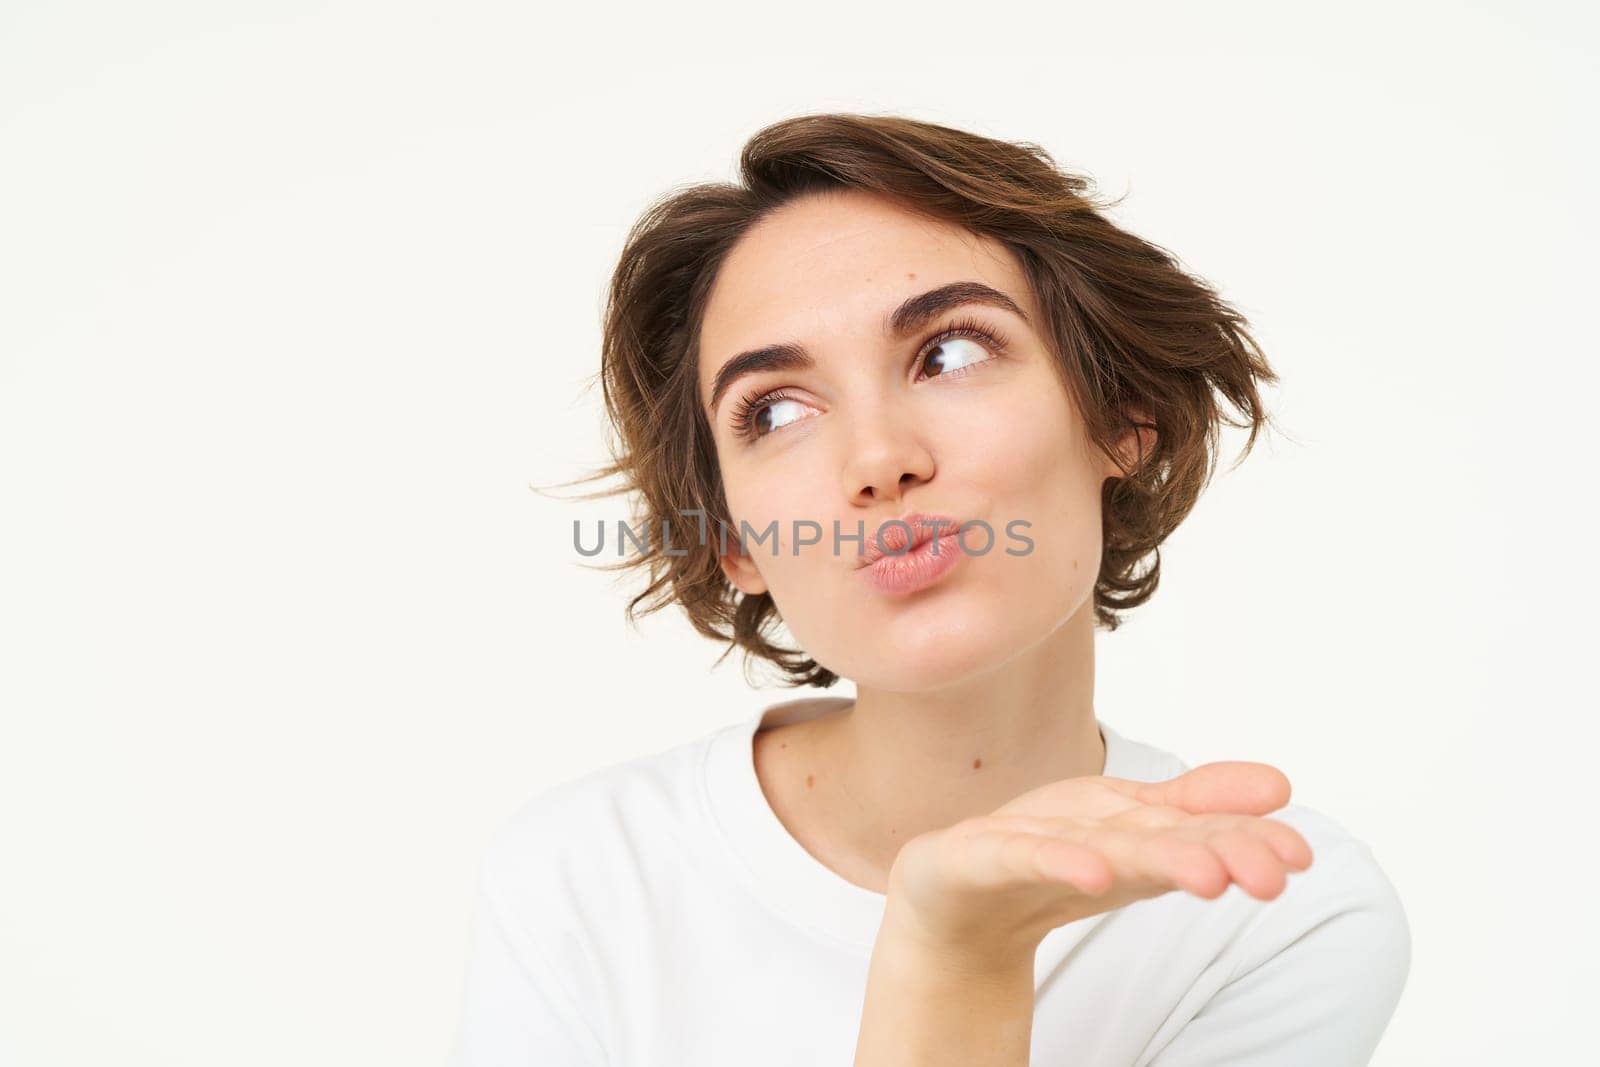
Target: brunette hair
[{"x": 1128, "y": 326}]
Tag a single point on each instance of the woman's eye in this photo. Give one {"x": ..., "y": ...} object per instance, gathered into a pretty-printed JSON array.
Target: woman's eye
[
  {"x": 953, "y": 353},
  {"x": 766, "y": 419}
]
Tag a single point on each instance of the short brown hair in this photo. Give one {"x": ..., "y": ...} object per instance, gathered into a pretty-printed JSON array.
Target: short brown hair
[{"x": 1128, "y": 326}]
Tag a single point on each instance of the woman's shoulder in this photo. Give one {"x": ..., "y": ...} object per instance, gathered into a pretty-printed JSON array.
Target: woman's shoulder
[
  {"x": 1328, "y": 956},
  {"x": 627, "y": 812}
]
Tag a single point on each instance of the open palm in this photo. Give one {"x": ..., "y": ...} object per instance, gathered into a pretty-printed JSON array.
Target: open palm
[{"x": 1086, "y": 845}]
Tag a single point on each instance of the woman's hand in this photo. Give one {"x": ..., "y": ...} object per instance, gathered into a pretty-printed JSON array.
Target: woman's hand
[{"x": 983, "y": 892}]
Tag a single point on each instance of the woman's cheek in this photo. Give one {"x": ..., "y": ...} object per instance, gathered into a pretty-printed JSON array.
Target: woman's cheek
[{"x": 1020, "y": 434}]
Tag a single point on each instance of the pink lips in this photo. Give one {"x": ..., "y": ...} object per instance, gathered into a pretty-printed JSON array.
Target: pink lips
[{"x": 896, "y": 570}]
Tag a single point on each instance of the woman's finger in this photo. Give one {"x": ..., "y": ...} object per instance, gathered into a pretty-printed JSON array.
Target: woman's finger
[
  {"x": 1150, "y": 817},
  {"x": 1144, "y": 860},
  {"x": 1131, "y": 847},
  {"x": 1285, "y": 841},
  {"x": 1251, "y": 862},
  {"x": 1239, "y": 786},
  {"x": 1192, "y": 865}
]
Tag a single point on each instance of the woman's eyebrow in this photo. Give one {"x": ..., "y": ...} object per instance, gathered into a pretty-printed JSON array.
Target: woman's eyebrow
[{"x": 912, "y": 315}]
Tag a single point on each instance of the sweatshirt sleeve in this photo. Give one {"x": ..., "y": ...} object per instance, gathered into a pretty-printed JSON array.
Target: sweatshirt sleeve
[
  {"x": 1316, "y": 982},
  {"x": 517, "y": 1009}
]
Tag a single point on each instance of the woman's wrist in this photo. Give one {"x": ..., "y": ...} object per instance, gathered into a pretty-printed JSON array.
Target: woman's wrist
[
  {"x": 989, "y": 955},
  {"x": 929, "y": 1003}
]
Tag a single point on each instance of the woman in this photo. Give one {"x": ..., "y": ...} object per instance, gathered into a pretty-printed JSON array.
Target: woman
[{"x": 906, "y": 392}]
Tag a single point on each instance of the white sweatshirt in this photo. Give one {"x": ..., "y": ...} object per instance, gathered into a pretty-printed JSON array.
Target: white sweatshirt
[{"x": 658, "y": 912}]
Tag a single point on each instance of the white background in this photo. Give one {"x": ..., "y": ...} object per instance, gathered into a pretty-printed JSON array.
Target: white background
[{"x": 297, "y": 300}]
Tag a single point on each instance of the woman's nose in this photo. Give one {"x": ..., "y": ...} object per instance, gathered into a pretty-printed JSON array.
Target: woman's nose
[{"x": 887, "y": 456}]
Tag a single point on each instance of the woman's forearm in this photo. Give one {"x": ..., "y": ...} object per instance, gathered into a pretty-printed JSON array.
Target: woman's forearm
[{"x": 929, "y": 1009}]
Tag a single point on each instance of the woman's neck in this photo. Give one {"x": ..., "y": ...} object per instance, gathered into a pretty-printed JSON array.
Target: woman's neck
[{"x": 855, "y": 784}]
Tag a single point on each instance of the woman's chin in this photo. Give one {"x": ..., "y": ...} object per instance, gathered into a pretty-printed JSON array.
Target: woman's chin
[{"x": 932, "y": 641}]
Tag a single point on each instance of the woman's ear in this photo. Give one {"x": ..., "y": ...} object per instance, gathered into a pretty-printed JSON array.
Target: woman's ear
[
  {"x": 1135, "y": 442},
  {"x": 741, "y": 569}
]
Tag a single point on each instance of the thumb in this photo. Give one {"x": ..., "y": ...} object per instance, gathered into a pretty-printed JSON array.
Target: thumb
[{"x": 1238, "y": 786}]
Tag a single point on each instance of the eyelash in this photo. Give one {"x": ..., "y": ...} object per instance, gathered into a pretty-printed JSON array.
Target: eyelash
[{"x": 744, "y": 414}]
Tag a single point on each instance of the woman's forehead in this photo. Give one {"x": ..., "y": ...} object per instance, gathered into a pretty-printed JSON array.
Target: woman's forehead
[
  {"x": 797, "y": 252},
  {"x": 815, "y": 269}
]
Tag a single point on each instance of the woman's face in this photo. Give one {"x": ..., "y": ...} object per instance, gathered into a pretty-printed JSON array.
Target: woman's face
[{"x": 882, "y": 423}]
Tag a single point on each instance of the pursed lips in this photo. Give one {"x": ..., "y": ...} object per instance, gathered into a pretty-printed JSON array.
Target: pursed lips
[{"x": 892, "y": 534}]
